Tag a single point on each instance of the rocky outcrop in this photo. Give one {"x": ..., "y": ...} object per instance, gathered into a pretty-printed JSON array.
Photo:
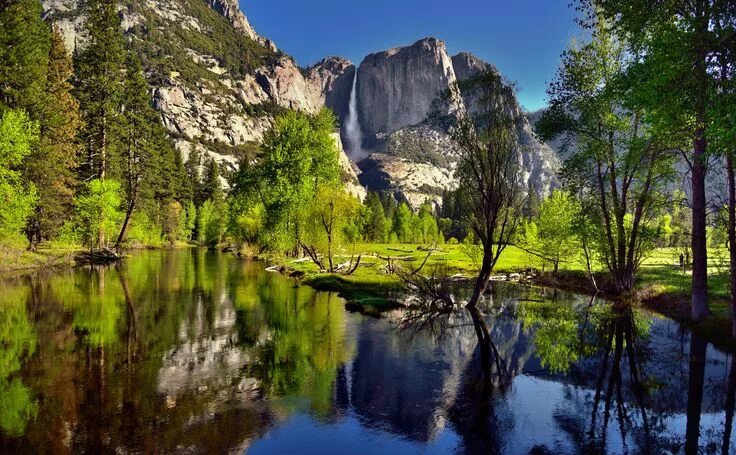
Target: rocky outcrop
[
  {"x": 467, "y": 65},
  {"x": 230, "y": 10},
  {"x": 219, "y": 103},
  {"x": 409, "y": 99},
  {"x": 396, "y": 88},
  {"x": 350, "y": 172},
  {"x": 332, "y": 79}
]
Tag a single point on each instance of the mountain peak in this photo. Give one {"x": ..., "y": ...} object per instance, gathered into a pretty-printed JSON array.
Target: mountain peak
[
  {"x": 468, "y": 65},
  {"x": 230, "y": 9}
]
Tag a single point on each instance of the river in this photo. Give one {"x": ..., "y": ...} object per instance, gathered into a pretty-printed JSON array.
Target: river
[{"x": 189, "y": 351}]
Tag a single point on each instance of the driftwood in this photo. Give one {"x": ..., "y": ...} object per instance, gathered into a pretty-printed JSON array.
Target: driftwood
[{"x": 102, "y": 256}]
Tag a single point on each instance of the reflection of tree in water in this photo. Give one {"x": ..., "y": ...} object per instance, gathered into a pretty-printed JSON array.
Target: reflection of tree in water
[
  {"x": 298, "y": 336},
  {"x": 17, "y": 342},
  {"x": 621, "y": 331},
  {"x": 148, "y": 356}
]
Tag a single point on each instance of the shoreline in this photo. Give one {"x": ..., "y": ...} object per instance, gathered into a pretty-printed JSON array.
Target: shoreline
[{"x": 372, "y": 294}]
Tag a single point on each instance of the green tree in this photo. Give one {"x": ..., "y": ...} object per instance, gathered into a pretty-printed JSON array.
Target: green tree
[
  {"x": 211, "y": 222},
  {"x": 376, "y": 225},
  {"x": 193, "y": 168},
  {"x": 140, "y": 141},
  {"x": 402, "y": 223},
  {"x": 52, "y": 165},
  {"x": 191, "y": 221},
  {"x": 182, "y": 187},
  {"x": 298, "y": 155},
  {"x": 489, "y": 184},
  {"x": 100, "y": 82},
  {"x": 211, "y": 185},
  {"x": 330, "y": 216},
  {"x": 18, "y": 137},
  {"x": 556, "y": 235},
  {"x": 172, "y": 222},
  {"x": 24, "y": 56},
  {"x": 427, "y": 223},
  {"x": 98, "y": 209},
  {"x": 621, "y": 160},
  {"x": 675, "y": 81}
]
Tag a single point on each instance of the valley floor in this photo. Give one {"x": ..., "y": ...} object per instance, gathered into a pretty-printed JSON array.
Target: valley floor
[{"x": 663, "y": 286}]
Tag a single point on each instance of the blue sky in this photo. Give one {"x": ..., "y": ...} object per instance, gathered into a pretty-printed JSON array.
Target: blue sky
[{"x": 523, "y": 38}]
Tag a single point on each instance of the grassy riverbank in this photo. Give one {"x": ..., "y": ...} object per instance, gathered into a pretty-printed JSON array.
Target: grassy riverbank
[
  {"x": 662, "y": 286},
  {"x": 15, "y": 261}
]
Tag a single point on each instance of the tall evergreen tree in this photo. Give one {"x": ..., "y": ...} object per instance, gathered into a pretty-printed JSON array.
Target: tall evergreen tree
[
  {"x": 140, "y": 140},
  {"x": 52, "y": 165},
  {"x": 24, "y": 54},
  {"x": 182, "y": 188},
  {"x": 100, "y": 74},
  {"x": 194, "y": 175},
  {"x": 376, "y": 224},
  {"x": 211, "y": 184}
]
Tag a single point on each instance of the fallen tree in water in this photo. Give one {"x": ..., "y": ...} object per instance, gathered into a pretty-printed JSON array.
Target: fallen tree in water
[{"x": 100, "y": 256}]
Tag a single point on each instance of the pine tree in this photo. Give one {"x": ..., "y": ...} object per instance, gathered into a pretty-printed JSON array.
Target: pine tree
[
  {"x": 182, "y": 188},
  {"x": 376, "y": 224},
  {"x": 52, "y": 165},
  {"x": 140, "y": 140},
  {"x": 193, "y": 165},
  {"x": 100, "y": 82},
  {"x": 24, "y": 54},
  {"x": 211, "y": 184}
]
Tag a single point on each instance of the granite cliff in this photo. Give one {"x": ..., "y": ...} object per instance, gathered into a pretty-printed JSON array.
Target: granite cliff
[
  {"x": 218, "y": 85},
  {"x": 407, "y": 131}
]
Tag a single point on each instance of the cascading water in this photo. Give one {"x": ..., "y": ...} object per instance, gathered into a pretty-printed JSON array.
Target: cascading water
[{"x": 353, "y": 132}]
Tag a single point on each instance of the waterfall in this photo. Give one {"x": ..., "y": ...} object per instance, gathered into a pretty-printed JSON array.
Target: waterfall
[{"x": 354, "y": 135}]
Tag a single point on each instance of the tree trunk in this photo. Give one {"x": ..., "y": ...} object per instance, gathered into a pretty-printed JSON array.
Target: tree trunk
[
  {"x": 124, "y": 229},
  {"x": 698, "y": 350},
  {"x": 732, "y": 236},
  {"x": 699, "y": 243},
  {"x": 699, "y": 307},
  {"x": 481, "y": 283},
  {"x": 103, "y": 148}
]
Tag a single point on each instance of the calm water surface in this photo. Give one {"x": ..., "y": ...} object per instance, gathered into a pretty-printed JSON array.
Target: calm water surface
[{"x": 196, "y": 352}]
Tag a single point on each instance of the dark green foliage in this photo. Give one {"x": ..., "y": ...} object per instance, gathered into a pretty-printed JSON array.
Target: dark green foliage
[
  {"x": 144, "y": 165},
  {"x": 52, "y": 165},
  {"x": 376, "y": 225},
  {"x": 451, "y": 214},
  {"x": 193, "y": 168},
  {"x": 100, "y": 79},
  {"x": 24, "y": 55},
  {"x": 211, "y": 184}
]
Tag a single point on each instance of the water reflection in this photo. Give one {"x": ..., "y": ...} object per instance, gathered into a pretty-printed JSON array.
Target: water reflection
[{"x": 188, "y": 351}]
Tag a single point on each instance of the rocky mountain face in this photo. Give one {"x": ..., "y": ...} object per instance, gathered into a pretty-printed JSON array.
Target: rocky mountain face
[
  {"x": 396, "y": 88},
  {"x": 218, "y": 85},
  {"x": 401, "y": 111},
  {"x": 216, "y": 82}
]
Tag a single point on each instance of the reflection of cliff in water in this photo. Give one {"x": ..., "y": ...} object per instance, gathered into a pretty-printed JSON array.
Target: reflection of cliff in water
[
  {"x": 628, "y": 387},
  {"x": 405, "y": 382}
]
